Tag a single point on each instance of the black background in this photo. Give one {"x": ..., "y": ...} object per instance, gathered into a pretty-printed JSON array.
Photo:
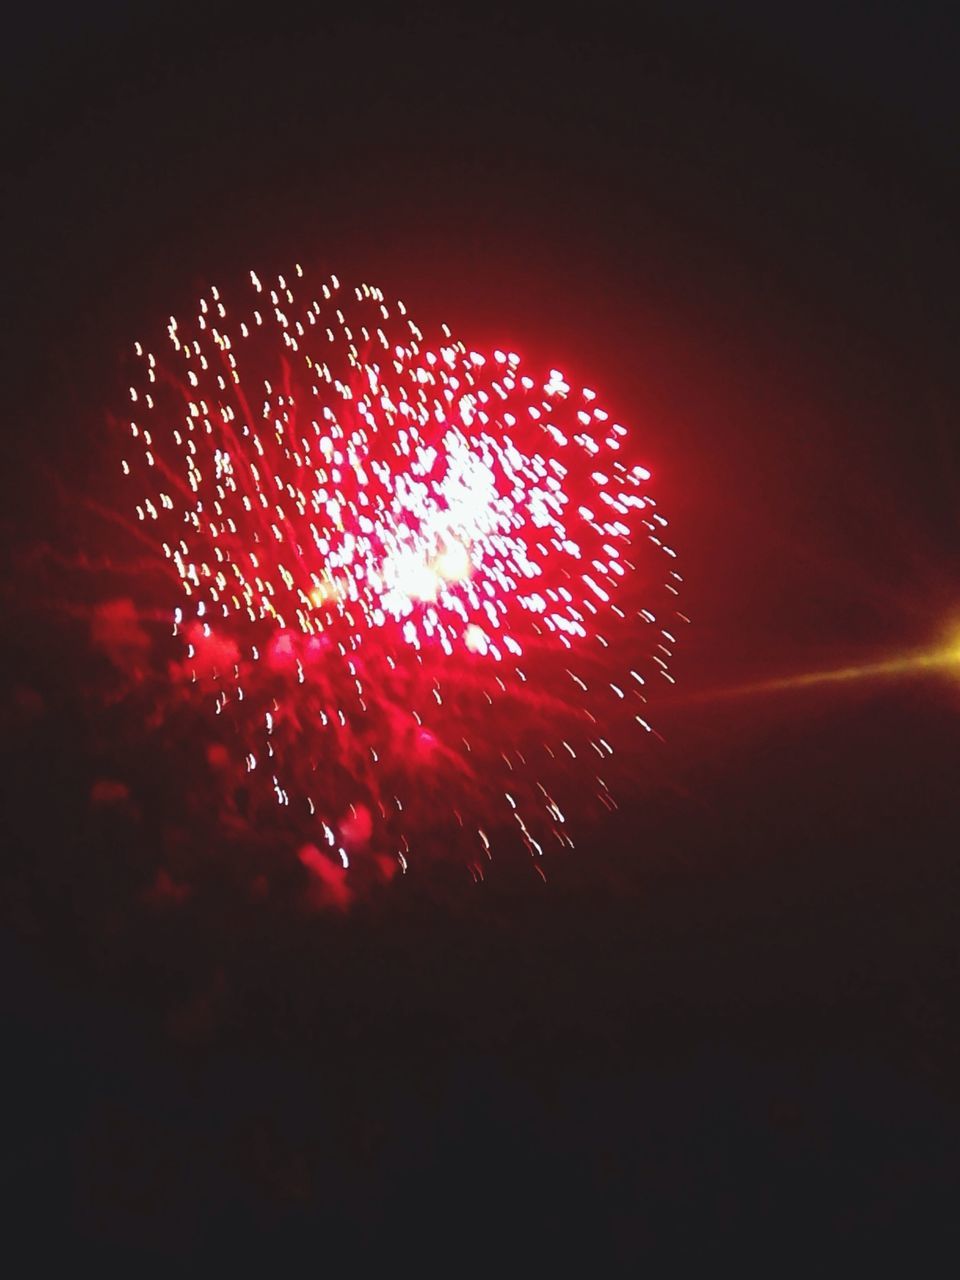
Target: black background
[{"x": 731, "y": 1023}]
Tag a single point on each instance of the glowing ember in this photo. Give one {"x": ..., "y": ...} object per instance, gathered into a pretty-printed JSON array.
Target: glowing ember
[{"x": 409, "y": 567}]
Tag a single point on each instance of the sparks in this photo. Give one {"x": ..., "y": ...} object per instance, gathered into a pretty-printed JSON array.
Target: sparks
[{"x": 370, "y": 529}]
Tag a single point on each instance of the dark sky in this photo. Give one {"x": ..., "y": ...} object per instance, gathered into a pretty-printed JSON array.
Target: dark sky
[{"x": 732, "y": 1022}]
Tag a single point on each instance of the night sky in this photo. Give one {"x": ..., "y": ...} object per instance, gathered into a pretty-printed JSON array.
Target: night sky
[{"x": 727, "y": 1027}]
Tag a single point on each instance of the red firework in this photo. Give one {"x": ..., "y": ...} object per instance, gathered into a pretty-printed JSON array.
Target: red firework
[{"x": 409, "y": 570}]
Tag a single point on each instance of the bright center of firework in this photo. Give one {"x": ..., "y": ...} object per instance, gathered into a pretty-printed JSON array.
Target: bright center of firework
[
  {"x": 410, "y": 578},
  {"x": 413, "y": 518},
  {"x": 453, "y": 563}
]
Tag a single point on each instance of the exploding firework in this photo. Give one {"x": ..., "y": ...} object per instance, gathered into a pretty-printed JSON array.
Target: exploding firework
[{"x": 423, "y": 587}]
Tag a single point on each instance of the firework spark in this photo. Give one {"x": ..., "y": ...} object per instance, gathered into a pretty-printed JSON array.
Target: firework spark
[{"x": 409, "y": 570}]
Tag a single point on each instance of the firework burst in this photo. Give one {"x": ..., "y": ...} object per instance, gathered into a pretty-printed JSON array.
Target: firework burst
[{"x": 423, "y": 587}]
